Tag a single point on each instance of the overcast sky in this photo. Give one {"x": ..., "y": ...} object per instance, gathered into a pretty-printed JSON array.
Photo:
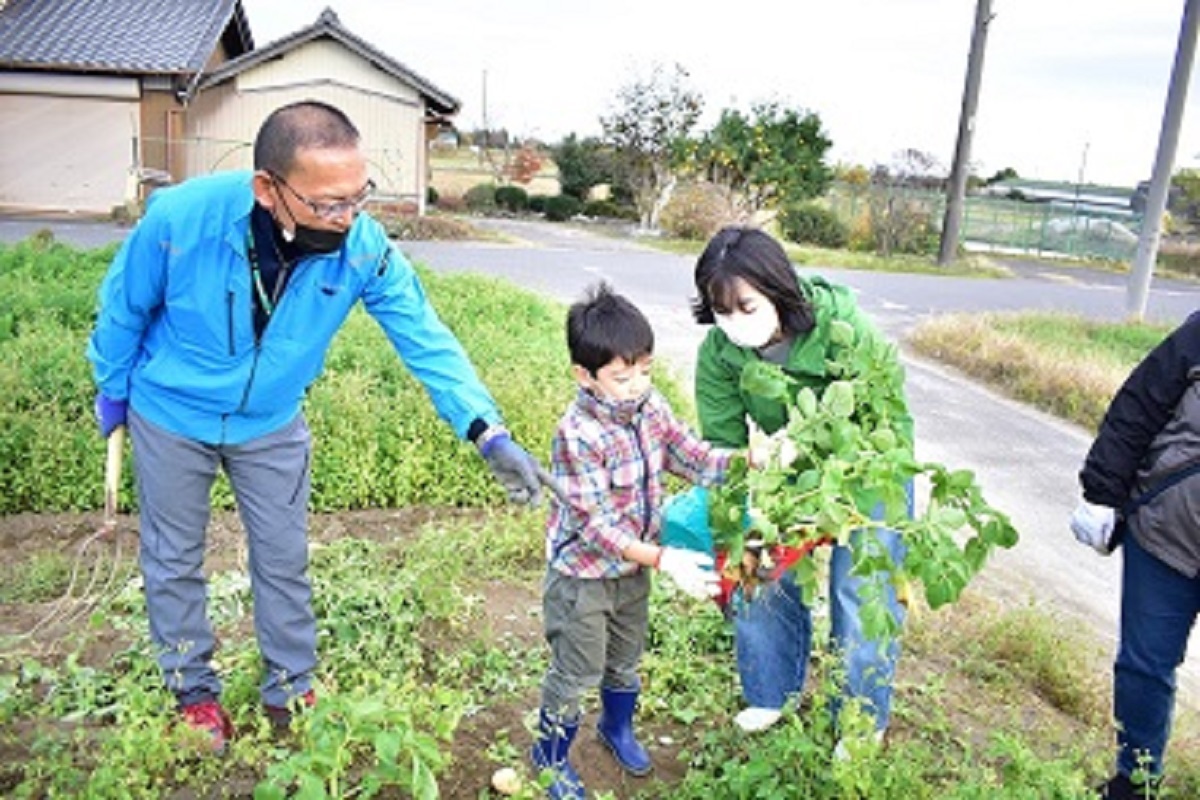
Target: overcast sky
[{"x": 1069, "y": 86}]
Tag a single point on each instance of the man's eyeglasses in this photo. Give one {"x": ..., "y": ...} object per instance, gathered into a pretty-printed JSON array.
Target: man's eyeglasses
[{"x": 334, "y": 208}]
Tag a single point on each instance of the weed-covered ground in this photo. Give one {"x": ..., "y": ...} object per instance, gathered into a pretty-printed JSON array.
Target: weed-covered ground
[
  {"x": 431, "y": 633},
  {"x": 42, "y": 550}
]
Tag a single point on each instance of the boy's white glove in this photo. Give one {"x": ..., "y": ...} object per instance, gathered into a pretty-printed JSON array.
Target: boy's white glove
[
  {"x": 1093, "y": 525},
  {"x": 691, "y": 571}
]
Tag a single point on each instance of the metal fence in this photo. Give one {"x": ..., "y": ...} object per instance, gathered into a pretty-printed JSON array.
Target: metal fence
[{"x": 1064, "y": 228}]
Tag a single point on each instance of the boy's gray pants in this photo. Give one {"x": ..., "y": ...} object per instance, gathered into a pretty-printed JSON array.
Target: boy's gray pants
[
  {"x": 270, "y": 481},
  {"x": 596, "y": 628}
]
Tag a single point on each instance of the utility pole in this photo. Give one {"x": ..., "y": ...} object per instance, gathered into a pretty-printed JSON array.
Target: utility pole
[
  {"x": 1082, "y": 169},
  {"x": 1160, "y": 180},
  {"x": 957, "y": 190},
  {"x": 484, "y": 121}
]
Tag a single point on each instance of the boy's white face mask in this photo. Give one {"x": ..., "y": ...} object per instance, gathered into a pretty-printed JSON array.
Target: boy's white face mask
[{"x": 750, "y": 329}]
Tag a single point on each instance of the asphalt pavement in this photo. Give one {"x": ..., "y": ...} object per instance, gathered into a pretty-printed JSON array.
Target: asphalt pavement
[{"x": 1025, "y": 460}]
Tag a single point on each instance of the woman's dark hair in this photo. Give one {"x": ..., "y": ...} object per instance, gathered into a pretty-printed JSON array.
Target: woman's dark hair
[
  {"x": 760, "y": 261},
  {"x": 603, "y": 326},
  {"x": 308, "y": 125}
]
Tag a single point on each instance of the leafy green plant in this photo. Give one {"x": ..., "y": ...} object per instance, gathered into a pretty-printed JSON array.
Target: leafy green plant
[
  {"x": 339, "y": 736},
  {"x": 430, "y": 227},
  {"x": 108, "y": 729},
  {"x": 561, "y": 207},
  {"x": 43, "y": 577},
  {"x": 809, "y": 223},
  {"x": 854, "y": 456},
  {"x": 481, "y": 198},
  {"x": 608, "y": 209},
  {"x": 687, "y": 647},
  {"x": 582, "y": 164},
  {"x": 512, "y": 198}
]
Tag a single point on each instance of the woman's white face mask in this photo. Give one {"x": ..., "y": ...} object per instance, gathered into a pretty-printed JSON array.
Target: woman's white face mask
[{"x": 754, "y": 322}]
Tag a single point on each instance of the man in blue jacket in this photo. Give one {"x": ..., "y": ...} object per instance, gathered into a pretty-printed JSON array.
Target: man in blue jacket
[
  {"x": 1141, "y": 487},
  {"x": 214, "y": 319}
]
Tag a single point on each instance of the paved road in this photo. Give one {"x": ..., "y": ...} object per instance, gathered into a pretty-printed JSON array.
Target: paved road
[
  {"x": 1026, "y": 461},
  {"x": 77, "y": 232}
]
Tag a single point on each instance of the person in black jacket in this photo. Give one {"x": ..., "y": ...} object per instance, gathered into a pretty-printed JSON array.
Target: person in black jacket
[{"x": 1141, "y": 488}]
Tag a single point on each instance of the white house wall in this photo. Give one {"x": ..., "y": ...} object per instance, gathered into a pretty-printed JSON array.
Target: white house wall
[
  {"x": 387, "y": 112},
  {"x": 65, "y": 153},
  {"x": 322, "y": 60}
]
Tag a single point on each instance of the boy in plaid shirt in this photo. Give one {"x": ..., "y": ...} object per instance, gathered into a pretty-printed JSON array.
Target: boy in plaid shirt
[{"x": 608, "y": 456}]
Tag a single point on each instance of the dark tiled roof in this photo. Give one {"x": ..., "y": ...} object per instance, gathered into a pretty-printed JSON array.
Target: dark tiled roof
[
  {"x": 327, "y": 24},
  {"x": 128, "y": 36}
]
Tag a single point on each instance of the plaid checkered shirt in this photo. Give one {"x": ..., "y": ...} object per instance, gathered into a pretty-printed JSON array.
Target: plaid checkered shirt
[{"x": 609, "y": 458}]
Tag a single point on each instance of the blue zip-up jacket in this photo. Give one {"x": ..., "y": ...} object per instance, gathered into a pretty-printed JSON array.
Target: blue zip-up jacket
[{"x": 175, "y": 332}]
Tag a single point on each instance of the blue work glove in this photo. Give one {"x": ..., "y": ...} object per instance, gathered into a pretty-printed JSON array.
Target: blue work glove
[
  {"x": 518, "y": 472},
  {"x": 110, "y": 413}
]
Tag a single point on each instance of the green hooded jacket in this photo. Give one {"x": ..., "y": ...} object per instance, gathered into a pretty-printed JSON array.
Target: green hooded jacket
[{"x": 723, "y": 406}]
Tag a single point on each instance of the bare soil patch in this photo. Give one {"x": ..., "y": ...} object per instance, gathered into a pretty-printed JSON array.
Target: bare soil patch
[{"x": 509, "y": 610}]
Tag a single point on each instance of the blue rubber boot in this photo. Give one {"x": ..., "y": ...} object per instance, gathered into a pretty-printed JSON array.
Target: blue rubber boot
[
  {"x": 551, "y": 751},
  {"x": 616, "y": 729}
]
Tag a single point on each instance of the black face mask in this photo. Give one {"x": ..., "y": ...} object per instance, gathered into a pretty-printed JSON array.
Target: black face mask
[
  {"x": 314, "y": 241},
  {"x": 308, "y": 241}
]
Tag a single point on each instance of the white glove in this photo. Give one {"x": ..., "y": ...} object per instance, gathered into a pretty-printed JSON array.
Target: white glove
[
  {"x": 691, "y": 571},
  {"x": 763, "y": 448},
  {"x": 1093, "y": 525}
]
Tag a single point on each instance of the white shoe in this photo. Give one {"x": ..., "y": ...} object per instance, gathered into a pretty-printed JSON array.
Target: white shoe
[
  {"x": 842, "y": 752},
  {"x": 757, "y": 719}
]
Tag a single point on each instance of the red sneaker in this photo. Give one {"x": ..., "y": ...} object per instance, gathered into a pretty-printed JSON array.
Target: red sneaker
[
  {"x": 281, "y": 716},
  {"x": 208, "y": 717}
]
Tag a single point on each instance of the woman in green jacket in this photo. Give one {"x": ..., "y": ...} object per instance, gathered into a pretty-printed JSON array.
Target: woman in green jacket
[{"x": 761, "y": 308}]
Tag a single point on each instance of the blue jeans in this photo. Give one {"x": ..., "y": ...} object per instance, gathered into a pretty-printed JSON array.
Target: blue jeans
[
  {"x": 773, "y": 637},
  {"x": 870, "y": 665},
  {"x": 1158, "y": 609}
]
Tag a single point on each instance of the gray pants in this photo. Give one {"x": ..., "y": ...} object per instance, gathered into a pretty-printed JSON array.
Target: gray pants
[
  {"x": 270, "y": 480},
  {"x": 596, "y": 628}
]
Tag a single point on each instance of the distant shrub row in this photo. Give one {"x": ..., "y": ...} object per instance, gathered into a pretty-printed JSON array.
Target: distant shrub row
[
  {"x": 1180, "y": 257},
  {"x": 487, "y": 198}
]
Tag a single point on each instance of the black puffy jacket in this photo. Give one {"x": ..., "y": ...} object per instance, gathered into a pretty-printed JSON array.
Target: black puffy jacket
[{"x": 1149, "y": 438}]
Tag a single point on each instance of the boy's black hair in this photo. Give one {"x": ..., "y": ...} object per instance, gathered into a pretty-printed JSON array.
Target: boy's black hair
[
  {"x": 306, "y": 125},
  {"x": 604, "y": 326},
  {"x": 760, "y": 261}
]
